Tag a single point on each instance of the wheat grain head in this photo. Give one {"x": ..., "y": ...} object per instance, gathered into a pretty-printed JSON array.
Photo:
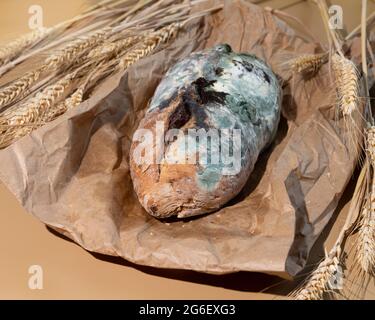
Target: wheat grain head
[
  {"x": 366, "y": 233},
  {"x": 18, "y": 89},
  {"x": 73, "y": 51},
  {"x": 14, "y": 48},
  {"x": 20, "y": 120},
  {"x": 346, "y": 76},
  {"x": 59, "y": 109},
  {"x": 149, "y": 44},
  {"x": 320, "y": 279},
  {"x": 114, "y": 49},
  {"x": 308, "y": 63}
]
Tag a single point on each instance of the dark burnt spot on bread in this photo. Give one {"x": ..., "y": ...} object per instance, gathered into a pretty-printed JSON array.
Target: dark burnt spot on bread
[
  {"x": 192, "y": 100},
  {"x": 167, "y": 102},
  {"x": 180, "y": 115},
  {"x": 207, "y": 96}
]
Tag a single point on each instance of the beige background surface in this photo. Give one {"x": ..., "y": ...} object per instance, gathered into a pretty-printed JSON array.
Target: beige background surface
[{"x": 71, "y": 272}]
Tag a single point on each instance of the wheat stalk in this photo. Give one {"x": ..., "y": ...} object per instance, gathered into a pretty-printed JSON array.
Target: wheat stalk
[
  {"x": 368, "y": 22},
  {"x": 364, "y": 42},
  {"x": 321, "y": 279},
  {"x": 90, "y": 51},
  {"x": 102, "y": 14},
  {"x": 366, "y": 239},
  {"x": 14, "y": 48},
  {"x": 18, "y": 121},
  {"x": 346, "y": 83},
  {"x": 308, "y": 63},
  {"x": 332, "y": 35}
]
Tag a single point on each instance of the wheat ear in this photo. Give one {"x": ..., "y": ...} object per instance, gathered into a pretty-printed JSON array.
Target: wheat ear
[
  {"x": 308, "y": 63},
  {"x": 73, "y": 51},
  {"x": 366, "y": 234},
  {"x": 18, "y": 121},
  {"x": 346, "y": 84},
  {"x": 66, "y": 56},
  {"x": 114, "y": 49},
  {"x": 149, "y": 44},
  {"x": 18, "y": 88},
  {"x": 366, "y": 241},
  {"x": 14, "y": 48},
  {"x": 59, "y": 109},
  {"x": 321, "y": 279}
]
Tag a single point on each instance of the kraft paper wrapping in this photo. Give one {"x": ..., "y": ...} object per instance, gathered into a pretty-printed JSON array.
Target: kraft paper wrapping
[{"x": 73, "y": 173}]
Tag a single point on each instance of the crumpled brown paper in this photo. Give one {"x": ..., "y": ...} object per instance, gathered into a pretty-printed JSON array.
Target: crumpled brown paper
[{"x": 73, "y": 174}]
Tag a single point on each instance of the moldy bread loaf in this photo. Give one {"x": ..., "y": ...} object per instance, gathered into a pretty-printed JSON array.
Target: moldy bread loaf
[{"x": 210, "y": 117}]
